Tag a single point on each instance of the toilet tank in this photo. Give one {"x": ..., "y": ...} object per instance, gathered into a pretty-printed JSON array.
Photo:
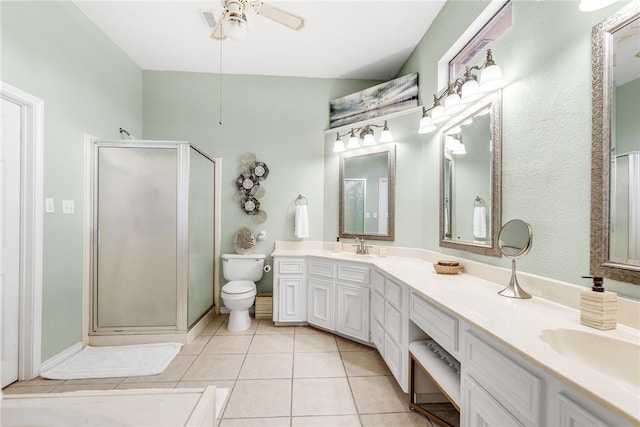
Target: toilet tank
[{"x": 242, "y": 267}]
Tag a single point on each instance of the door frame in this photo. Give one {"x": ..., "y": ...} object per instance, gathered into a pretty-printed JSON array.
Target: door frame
[{"x": 31, "y": 230}]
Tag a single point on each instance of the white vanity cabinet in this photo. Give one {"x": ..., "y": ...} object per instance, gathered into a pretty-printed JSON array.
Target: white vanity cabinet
[
  {"x": 322, "y": 289},
  {"x": 339, "y": 297},
  {"x": 389, "y": 322},
  {"x": 289, "y": 290}
]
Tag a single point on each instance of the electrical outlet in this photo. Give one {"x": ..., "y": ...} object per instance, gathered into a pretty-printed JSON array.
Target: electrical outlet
[
  {"x": 68, "y": 206},
  {"x": 49, "y": 205}
]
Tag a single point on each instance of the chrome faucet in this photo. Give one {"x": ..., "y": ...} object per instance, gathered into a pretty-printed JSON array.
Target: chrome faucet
[{"x": 361, "y": 248}]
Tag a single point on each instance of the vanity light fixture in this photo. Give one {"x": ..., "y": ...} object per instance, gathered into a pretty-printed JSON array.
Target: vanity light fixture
[
  {"x": 461, "y": 92},
  {"x": 589, "y": 5},
  {"x": 364, "y": 133}
]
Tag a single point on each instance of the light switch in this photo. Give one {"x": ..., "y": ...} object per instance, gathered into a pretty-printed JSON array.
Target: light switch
[
  {"x": 67, "y": 206},
  {"x": 49, "y": 205}
]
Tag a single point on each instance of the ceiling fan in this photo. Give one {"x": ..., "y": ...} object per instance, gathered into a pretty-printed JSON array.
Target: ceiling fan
[{"x": 233, "y": 21}]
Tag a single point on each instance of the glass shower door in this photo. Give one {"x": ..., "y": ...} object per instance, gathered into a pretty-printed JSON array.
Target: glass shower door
[{"x": 135, "y": 284}]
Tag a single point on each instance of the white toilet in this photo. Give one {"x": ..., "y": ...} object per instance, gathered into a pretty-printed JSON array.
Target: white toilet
[{"x": 238, "y": 294}]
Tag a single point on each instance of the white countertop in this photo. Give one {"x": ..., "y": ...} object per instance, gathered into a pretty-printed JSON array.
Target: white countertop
[{"x": 516, "y": 323}]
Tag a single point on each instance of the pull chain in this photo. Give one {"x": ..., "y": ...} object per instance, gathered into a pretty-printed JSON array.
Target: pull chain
[{"x": 220, "y": 88}]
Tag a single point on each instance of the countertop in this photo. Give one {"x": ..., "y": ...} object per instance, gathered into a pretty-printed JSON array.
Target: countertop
[{"x": 517, "y": 324}]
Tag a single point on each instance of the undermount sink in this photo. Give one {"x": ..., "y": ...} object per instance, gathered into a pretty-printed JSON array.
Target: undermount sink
[
  {"x": 356, "y": 256},
  {"x": 608, "y": 355}
]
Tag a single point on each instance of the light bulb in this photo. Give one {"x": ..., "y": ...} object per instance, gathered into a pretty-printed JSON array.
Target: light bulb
[
  {"x": 235, "y": 28},
  {"x": 470, "y": 91},
  {"x": 491, "y": 79},
  {"x": 438, "y": 115},
  {"x": 368, "y": 140},
  {"x": 426, "y": 125},
  {"x": 353, "y": 141}
]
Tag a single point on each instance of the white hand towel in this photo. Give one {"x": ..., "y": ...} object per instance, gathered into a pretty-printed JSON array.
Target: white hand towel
[
  {"x": 301, "y": 222},
  {"x": 479, "y": 222}
]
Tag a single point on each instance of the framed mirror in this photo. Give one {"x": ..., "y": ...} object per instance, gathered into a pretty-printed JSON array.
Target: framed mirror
[
  {"x": 615, "y": 171},
  {"x": 470, "y": 180},
  {"x": 367, "y": 193}
]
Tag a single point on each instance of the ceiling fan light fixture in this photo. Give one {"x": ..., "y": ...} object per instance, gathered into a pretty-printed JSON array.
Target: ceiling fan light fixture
[{"x": 235, "y": 26}]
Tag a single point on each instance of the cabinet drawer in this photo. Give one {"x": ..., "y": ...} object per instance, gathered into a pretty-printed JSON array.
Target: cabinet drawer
[
  {"x": 323, "y": 269},
  {"x": 378, "y": 282},
  {"x": 353, "y": 274},
  {"x": 394, "y": 293},
  {"x": 291, "y": 266},
  {"x": 436, "y": 323},
  {"x": 393, "y": 322},
  {"x": 511, "y": 384}
]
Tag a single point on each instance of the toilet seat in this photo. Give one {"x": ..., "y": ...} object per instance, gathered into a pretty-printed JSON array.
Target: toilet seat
[{"x": 237, "y": 289}]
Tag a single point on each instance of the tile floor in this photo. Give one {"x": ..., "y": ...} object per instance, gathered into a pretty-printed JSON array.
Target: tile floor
[{"x": 277, "y": 376}]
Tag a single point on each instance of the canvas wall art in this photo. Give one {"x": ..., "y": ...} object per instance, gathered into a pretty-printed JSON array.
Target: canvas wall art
[{"x": 386, "y": 98}]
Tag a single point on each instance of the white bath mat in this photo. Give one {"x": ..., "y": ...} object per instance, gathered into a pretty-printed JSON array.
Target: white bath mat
[{"x": 115, "y": 361}]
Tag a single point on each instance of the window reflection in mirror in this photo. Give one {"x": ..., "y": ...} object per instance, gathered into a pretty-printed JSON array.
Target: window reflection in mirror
[
  {"x": 470, "y": 185},
  {"x": 367, "y": 193}
]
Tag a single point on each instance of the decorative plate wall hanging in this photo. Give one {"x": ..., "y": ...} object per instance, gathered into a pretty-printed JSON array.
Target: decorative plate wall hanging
[{"x": 252, "y": 173}]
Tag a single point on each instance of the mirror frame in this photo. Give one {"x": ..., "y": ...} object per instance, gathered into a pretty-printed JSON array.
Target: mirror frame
[
  {"x": 495, "y": 102},
  {"x": 391, "y": 168},
  {"x": 601, "y": 50}
]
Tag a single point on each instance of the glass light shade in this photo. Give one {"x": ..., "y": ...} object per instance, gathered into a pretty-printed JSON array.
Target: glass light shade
[
  {"x": 426, "y": 125},
  {"x": 438, "y": 115},
  {"x": 491, "y": 79},
  {"x": 459, "y": 149},
  {"x": 385, "y": 136},
  {"x": 368, "y": 140},
  {"x": 589, "y": 5},
  {"x": 338, "y": 146},
  {"x": 353, "y": 142},
  {"x": 235, "y": 28},
  {"x": 454, "y": 130},
  {"x": 467, "y": 122},
  {"x": 452, "y": 104},
  {"x": 470, "y": 92}
]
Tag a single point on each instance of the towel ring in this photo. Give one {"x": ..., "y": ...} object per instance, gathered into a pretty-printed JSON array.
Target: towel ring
[
  {"x": 301, "y": 200},
  {"x": 479, "y": 202}
]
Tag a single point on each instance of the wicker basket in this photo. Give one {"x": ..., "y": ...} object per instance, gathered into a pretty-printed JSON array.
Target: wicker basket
[
  {"x": 447, "y": 269},
  {"x": 264, "y": 306}
]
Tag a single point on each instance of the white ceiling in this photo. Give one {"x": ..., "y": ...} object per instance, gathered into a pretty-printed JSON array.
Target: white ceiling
[{"x": 341, "y": 39}]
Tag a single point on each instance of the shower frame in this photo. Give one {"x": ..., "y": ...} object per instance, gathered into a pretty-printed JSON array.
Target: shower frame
[{"x": 181, "y": 331}]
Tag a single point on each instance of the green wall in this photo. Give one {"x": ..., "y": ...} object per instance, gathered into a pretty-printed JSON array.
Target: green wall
[
  {"x": 546, "y": 59},
  {"x": 52, "y": 51},
  {"x": 627, "y": 117},
  {"x": 280, "y": 119}
]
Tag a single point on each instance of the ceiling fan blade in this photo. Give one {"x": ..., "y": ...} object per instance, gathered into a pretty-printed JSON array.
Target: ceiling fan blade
[
  {"x": 218, "y": 31},
  {"x": 283, "y": 17}
]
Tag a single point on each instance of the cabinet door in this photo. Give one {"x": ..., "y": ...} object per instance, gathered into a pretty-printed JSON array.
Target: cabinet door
[
  {"x": 321, "y": 303},
  {"x": 291, "y": 299},
  {"x": 377, "y": 307},
  {"x": 353, "y": 311},
  {"x": 480, "y": 409},
  {"x": 377, "y": 336}
]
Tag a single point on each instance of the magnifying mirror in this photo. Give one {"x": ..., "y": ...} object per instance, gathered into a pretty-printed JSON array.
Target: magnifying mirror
[{"x": 515, "y": 241}]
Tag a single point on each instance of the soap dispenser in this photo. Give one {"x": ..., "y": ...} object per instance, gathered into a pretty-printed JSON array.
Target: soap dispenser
[{"x": 598, "y": 308}]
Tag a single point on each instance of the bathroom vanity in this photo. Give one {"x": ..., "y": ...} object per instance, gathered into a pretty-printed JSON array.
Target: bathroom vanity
[{"x": 521, "y": 362}]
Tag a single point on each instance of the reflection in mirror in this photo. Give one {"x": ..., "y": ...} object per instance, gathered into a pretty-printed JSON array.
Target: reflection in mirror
[
  {"x": 367, "y": 193},
  {"x": 515, "y": 241},
  {"x": 615, "y": 179},
  {"x": 470, "y": 180}
]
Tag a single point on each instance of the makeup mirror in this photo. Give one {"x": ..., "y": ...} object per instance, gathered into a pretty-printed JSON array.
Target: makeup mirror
[{"x": 515, "y": 241}]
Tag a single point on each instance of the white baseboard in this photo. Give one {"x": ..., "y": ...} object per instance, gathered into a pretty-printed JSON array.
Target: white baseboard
[{"x": 60, "y": 357}]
